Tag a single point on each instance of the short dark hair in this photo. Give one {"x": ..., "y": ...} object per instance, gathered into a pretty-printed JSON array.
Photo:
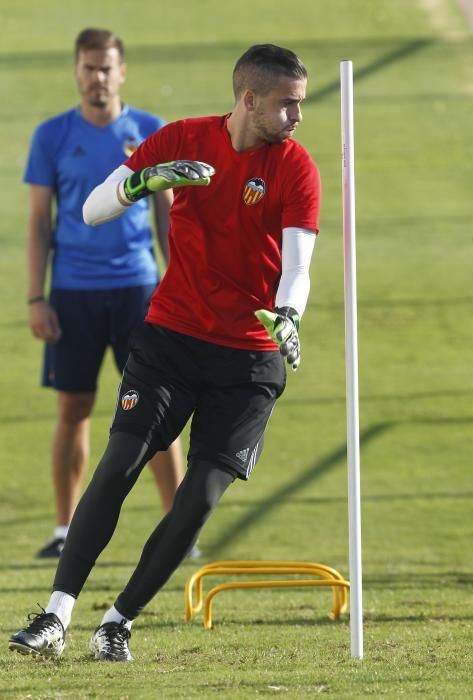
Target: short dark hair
[
  {"x": 101, "y": 39},
  {"x": 261, "y": 64}
]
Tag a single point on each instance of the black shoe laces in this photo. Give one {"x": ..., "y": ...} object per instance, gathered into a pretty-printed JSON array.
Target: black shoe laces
[
  {"x": 41, "y": 621},
  {"x": 117, "y": 637}
]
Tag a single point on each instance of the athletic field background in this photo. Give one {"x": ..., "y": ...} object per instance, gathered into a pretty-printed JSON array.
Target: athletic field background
[{"x": 413, "y": 65}]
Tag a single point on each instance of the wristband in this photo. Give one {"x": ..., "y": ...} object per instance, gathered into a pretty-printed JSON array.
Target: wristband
[
  {"x": 35, "y": 300},
  {"x": 290, "y": 312},
  {"x": 135, "y": 187}
]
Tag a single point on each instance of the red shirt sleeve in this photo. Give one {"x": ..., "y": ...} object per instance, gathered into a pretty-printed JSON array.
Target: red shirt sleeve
[{"x": 301, "y": 191}]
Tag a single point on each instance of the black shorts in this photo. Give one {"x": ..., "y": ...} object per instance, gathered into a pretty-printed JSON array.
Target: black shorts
[
  {"x": 91, "y": 320},
  {"x": 230, "y": 394}
]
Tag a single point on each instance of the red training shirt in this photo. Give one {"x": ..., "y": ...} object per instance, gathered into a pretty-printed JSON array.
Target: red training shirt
[{"x": 225, "y": 239}]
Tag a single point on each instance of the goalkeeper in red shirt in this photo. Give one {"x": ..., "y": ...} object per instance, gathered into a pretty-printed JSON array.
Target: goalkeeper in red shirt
[{"x": 218, "y": 331}]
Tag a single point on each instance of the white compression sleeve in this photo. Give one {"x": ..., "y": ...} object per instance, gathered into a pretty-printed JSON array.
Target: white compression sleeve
[
  {"x": 294, "y": 285},
  {"x": 103, "y": 204}
]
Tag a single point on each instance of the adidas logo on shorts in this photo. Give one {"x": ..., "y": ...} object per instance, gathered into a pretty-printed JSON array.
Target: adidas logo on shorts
[{"x": 243, "y": 454}]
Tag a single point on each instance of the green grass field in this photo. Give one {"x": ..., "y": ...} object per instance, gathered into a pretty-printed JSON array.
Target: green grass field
[{"x": 414, "y": 153}]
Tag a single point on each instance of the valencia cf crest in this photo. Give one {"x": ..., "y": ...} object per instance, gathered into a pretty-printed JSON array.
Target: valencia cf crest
[
  {"x": 130, "y": 399},
  {"x": 130, "y": 146},
  {"x": 253, "y": 190}
]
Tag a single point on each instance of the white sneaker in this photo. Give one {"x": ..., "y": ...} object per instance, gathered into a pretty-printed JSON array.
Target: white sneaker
[
  {"x": 44, "y": 636},
  {"x": 110, "y": 642}
]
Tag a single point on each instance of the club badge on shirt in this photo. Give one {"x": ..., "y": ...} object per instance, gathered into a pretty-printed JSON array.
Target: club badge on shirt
[
  {"x": 130, "y": 146},
  {"x": 130, "y": 399},
  {"x": 254, "y": 190}
]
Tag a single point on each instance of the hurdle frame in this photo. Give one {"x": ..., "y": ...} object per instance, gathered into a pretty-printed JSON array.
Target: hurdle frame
[{"x": 328, "y": 577}]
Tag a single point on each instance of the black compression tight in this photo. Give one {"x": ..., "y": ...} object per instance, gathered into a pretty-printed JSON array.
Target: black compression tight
[
  {"x": 96, "y": 517},
  {"x": 177, "y": 532}
]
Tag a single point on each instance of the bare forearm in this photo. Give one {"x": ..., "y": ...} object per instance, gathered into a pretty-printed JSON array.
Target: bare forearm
[
  {"x": 38, "y": 249},
  {"x": 43, "y": 319}
]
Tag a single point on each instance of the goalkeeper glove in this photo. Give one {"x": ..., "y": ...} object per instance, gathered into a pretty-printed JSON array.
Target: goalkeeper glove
[
  {"x": 177, "y": 173},
  {"x": 282, "y": 325}
]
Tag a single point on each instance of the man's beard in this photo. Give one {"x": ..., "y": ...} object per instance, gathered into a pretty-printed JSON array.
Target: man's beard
[
  {"x": 97, "y": 98},
  {"x": 272, "y": 137}
]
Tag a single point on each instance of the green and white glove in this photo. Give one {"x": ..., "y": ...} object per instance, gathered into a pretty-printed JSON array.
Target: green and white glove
[
  {"x": 282, "y": 325},
  {"x": 177, "y": 173}
]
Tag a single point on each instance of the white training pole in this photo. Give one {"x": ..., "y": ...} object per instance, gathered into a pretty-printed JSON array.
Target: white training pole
[{"x": 351, "y": 359}]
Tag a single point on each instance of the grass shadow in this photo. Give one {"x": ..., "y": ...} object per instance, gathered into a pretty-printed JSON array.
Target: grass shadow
[
  {"x": 398, "y": 53},
  {"x": 240, "y": 528}
]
